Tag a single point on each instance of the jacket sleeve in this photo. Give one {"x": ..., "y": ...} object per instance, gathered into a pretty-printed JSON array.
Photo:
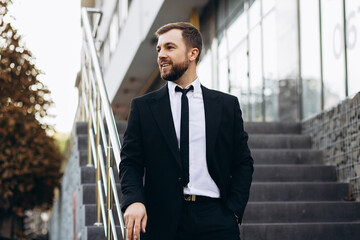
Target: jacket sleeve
[
  {"x": 242, "y": 166},
  {"x": 131, "y": 169}
]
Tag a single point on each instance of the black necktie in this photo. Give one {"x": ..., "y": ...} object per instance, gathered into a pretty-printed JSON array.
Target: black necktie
[{"x": 184, "y": 132}]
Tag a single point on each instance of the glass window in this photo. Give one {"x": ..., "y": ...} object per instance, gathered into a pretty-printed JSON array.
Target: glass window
[
  {"x": 255, "y": 59},
  {"x": 239, "y": 81},
  {"x": 310, "y": 57},
  {"x": 270, "y": 46},
  {"x": 222, "y": 48},
  {"x": 255, "y": 106},
  {"x": 254, "y": 13},
  {"x": 267, "y": 6},
  {"x": 255, "y": 71},
  {"x": 333, "y": 51},
  {"x": 270, "y": 66},
  {"x": 223, "y": 80},
  {"x": 239, "y": 70},
  {"x": 237, "y": 30},
  {"x": 223, "y": 75},
  {"x": 205, "y": 70},
  {"x": 287, "y": 40},
  {"x": 353, "y": 45}
]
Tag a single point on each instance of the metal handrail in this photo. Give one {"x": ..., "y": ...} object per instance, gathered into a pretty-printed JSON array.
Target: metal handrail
[{"x": 95, "y": 102}]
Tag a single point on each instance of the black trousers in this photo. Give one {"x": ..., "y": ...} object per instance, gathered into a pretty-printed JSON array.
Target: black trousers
[{"x": 208, "y": 219}]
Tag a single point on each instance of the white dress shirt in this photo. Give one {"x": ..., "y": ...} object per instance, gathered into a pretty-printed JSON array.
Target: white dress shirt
[{"x": 200, "y": 181}]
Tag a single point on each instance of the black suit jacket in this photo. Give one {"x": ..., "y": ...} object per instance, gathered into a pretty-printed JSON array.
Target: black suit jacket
[{"x": 150, "y": 149}]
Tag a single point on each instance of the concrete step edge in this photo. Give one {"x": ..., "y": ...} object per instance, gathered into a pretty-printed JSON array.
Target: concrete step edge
[
  {"x": 304, "y": 202},
  {"x": 304, "y": 165},
  {"x": 281, "y": 135},
  {"x": 299, "y": 223},
  {"x": 285, "y": 150},
  {"x": 303, "y": 183}
]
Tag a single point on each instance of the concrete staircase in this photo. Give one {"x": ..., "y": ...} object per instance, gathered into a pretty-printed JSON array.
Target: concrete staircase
[
  {"x": 294, "y": 195},
  {"x": 87, "y": 194}
]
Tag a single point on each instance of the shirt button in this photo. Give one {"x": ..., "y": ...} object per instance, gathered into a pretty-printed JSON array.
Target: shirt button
[{"x": 179, "y": 179}]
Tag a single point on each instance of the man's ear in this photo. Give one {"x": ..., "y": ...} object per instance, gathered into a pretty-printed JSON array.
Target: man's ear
[{"x": 193, "y": 54}]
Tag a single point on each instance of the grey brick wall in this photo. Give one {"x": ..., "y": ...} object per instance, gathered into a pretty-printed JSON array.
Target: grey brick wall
[{"x": 337, "y": 132}]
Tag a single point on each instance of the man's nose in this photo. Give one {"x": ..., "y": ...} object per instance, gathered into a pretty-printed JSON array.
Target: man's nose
[{"x": 161, "y": 54}]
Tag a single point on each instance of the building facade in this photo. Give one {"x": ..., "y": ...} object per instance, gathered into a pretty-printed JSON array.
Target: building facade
[{"x": 283, "y": 59}]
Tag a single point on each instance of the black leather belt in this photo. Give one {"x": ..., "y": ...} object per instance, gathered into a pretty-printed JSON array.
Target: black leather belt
[{"x": 197, "y": 198}]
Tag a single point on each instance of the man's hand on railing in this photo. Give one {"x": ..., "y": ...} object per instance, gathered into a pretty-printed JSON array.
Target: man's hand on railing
[{"x": 135, "y": 218}]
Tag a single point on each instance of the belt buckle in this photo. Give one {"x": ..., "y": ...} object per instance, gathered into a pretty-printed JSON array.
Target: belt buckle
[{"x": 190, "y": 198}]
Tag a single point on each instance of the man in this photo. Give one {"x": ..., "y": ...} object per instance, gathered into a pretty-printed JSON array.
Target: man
[{"x": 189, "y": 143}]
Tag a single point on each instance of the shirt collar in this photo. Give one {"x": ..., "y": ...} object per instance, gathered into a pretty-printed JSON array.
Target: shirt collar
[{"x": 196, "y": 84}]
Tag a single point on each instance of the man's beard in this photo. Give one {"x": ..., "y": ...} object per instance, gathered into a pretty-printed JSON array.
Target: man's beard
[{"x": 176, "y": 71}]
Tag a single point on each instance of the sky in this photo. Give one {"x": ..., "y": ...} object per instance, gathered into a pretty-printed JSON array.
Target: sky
[{"x": 51, "y": 31}]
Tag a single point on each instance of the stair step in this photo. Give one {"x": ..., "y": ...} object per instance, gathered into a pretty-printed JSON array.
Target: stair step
[
  {"x": 82, "y": 141},
  {"x": 263, "y": 156},
  {"x": 292, "y": 212},
  {"x": 89, "y": 193},
  {"x": 298, "y": 191},
  {"x": 88, "y": 175},
  {"x": 272, "y": 127},
  {"x": 97, "y": 232},
  {"x": 89, "y": 213},
  {"x": 250, "y": 127},
  {"x": 82, "y": 127},
  {"x": 279, "y": 141},
  {"x": 83, "y": 159},
  {"x": 286, "y": 156},
  {"x": 290, "y": 173},
  {"x": 301, "y": 231}
]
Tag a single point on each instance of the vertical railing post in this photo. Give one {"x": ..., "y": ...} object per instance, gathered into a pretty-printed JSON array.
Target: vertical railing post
[
  {"x": 98, "y": 166},
  {"x": 82, "y": 84},
  {"x": 89, "y": 122},
  {"x": 82, "y": 110},
  {"x": 109, "y": 197}
]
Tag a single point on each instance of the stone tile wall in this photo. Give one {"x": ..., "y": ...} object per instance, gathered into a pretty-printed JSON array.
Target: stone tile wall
[{"x": 336, "y": 131}]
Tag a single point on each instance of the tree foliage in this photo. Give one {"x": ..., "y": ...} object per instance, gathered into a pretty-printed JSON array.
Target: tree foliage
[{"x": 29, "y": 160}]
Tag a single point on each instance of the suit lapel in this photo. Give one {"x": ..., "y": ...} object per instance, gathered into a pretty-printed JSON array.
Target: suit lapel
[
  {"x": 213, "y": 111},
  {"x": 160, "y": 106}
]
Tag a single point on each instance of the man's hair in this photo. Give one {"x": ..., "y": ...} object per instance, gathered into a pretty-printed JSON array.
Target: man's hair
[{"x": 190, "y": 34}]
